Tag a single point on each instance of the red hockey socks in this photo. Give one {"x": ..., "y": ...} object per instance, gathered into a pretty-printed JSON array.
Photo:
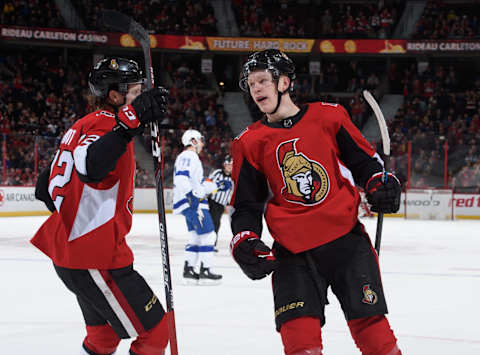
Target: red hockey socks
[
  {"x": 100, "y": 340},
  {"x": 302, "y": 336},
  {"x": 153, "y": 341},
  {"x": 373, "y": 336}
]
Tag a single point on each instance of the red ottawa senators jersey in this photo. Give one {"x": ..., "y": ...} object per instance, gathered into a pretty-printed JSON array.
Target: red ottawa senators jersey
[
  {"x": 88, "y": 227},
  {"x": 301, "y": 174}
]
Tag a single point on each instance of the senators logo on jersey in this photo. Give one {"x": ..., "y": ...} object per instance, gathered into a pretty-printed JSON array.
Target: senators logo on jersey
[
  {"x": 369, "y": 296},
  {"x": 306, "y": 181}
]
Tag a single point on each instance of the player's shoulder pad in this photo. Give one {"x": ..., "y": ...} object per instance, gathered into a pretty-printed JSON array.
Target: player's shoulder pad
[
  {"x": 96, "y": 117},
  {"x": 241, "y": 133},
  {"x": 249, "y": 130},
  {"x": 332, "y": 104},
  {"x": 330, "y": 107},
  {"x": 322, "y": 105},
  {"x": 192, "y": 156},
  {"x": 105, "y": 114}
]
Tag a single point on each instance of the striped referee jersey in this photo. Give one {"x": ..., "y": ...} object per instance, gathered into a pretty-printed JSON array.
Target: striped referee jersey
[{"x": 221, "y": 197}]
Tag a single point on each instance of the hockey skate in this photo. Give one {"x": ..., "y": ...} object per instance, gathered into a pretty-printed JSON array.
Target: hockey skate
[
  {"x": 190, "y": 277},
  {"x": 207, "y": 277}
]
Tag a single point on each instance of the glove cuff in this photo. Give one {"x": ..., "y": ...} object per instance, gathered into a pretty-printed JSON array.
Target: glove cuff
[
  {"x": 127, "y": 117},
  {"x": 379, "y": 175},
  {"x": 240, "y": 237},
  {"x": 374, "y": 176}
]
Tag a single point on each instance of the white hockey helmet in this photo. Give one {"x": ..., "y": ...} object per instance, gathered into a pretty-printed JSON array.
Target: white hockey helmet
[{"x": 189, "y": 135}]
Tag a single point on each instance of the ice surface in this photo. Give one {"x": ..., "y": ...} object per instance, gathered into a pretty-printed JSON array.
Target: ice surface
[{"x": 431, "y": 275}]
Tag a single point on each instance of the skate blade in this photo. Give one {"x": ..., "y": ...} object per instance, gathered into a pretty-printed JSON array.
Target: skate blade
[
  {"x": 207, "y": 282},
  {"x": 189, "y": 282}
]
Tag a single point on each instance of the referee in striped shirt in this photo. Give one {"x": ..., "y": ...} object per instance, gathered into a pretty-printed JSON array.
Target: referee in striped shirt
[{"x": 220, "y": 199}]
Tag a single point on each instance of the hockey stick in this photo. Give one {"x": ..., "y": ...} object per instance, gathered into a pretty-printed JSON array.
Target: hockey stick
[
  {"x": 386, "y": 152},
  {"x": 123, "y": 23}
]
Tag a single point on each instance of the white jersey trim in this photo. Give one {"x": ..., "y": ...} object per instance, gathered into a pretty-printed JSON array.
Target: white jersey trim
[
  {"x": 113, "y": 302},
  {"x": 80, "y": 153},
  {"x": 96, "y": 207},
  {"x": 346, "y": 173}
]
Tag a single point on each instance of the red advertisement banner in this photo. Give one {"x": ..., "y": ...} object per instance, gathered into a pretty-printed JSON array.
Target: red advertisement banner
[
  {"x": 444, "y": 46},
  {"x": 52, "y": 34},
  {"x": 160, "y": 41},
  {"x": 355, "y": 46},
  {"x": 251, "y": 44},
  {"x": 214, "y": 44},
  {"x": 100, "y": 38}
]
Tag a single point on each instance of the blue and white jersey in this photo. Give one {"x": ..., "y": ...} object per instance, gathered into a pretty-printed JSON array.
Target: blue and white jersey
[{"x": 188, "y": 177}]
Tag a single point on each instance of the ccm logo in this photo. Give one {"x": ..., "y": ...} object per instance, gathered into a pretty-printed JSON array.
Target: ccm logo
[{"x": 130, "y": 114}]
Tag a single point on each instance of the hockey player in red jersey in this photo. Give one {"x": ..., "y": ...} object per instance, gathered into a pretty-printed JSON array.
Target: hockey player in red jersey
[
  {"x": 299, "y": 167},
  {"x": 89, "y": 190}
]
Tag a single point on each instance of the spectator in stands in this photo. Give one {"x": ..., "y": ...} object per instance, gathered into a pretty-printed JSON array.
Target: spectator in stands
[{"x": 339, "y": 20}]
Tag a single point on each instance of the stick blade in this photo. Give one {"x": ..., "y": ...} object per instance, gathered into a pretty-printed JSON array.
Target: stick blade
[
  {"x": 123, "y": 23},
  {"x": 380, "y": 119}
]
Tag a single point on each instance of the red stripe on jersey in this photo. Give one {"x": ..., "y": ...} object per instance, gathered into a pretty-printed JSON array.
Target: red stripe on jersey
[{"x": 119, "y": 296}]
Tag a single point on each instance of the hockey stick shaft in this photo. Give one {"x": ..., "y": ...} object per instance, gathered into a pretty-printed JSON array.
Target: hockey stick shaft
[
  {"x": 122, "y": 23},
  {"x": 382, "y": 124}
]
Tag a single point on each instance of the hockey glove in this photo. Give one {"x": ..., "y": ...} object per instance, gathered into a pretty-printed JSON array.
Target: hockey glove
[
  {"x": 193, "y": 200},
  {"x": 191, "y": 213},
  {"x": 252, "y": 255},
  {"x": 224, "y": 185},
  {"x": 384, "y": 197},
  {"x": 192, "y": 217},
  {"x": 147, "y": 107}
]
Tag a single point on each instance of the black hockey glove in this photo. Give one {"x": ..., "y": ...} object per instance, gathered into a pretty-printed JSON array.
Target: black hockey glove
[
  {"x": 384, "y": 197},
  {"x": 149, "y": 106},
  {"x": 252, "y": 255}
]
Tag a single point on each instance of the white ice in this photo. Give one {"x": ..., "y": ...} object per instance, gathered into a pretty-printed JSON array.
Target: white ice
[{"x": 431, "y": 275}]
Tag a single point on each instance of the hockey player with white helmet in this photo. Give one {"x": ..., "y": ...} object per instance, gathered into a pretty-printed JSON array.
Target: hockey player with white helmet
[{"x": 190, "y": 199}]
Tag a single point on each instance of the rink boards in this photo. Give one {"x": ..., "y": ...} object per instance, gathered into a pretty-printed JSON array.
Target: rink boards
[{"x": 20, "y": 201}]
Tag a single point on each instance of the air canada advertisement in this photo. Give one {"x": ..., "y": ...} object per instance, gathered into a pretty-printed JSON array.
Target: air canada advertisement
[{"x": 20, "y": 201}]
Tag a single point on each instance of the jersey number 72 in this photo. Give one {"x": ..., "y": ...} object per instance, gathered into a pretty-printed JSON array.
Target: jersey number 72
[{"x": 62, "y": 167}]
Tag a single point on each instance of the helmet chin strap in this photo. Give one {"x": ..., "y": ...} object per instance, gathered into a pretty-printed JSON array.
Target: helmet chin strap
[{"x": 279, "y": 98}]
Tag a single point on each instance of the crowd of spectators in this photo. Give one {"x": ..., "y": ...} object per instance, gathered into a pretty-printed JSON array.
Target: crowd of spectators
[
  {"x": 190, "y": 17},
  {"x": 31, "y": 13},
  {"x": 41, "y": 95},
  {"x": 258, "y": 18},
  {"x": 440, "y": 116},
  {"x": 441, "y": 20},
  {"x": 345, "y": 81},
  {"x": 317, "y": 19},
  {"x": 267, "y": 18},
  {"x": 193, "y": 106}
]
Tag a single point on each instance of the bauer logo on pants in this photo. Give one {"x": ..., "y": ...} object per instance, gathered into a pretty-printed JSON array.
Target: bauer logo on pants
[
  {"x": 369, "y": 296},
  {"x": 288, "y": 307}
]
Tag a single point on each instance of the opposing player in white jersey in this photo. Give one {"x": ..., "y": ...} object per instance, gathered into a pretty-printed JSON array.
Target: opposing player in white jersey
[{"x": 190, "y": 191}]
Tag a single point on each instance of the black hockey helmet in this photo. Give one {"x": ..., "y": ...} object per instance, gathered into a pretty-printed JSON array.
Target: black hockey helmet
[
  {"x": 228, "y": 159},
  {"x": 114, "y": 73},
  {"x": 272, "y": 60}
]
